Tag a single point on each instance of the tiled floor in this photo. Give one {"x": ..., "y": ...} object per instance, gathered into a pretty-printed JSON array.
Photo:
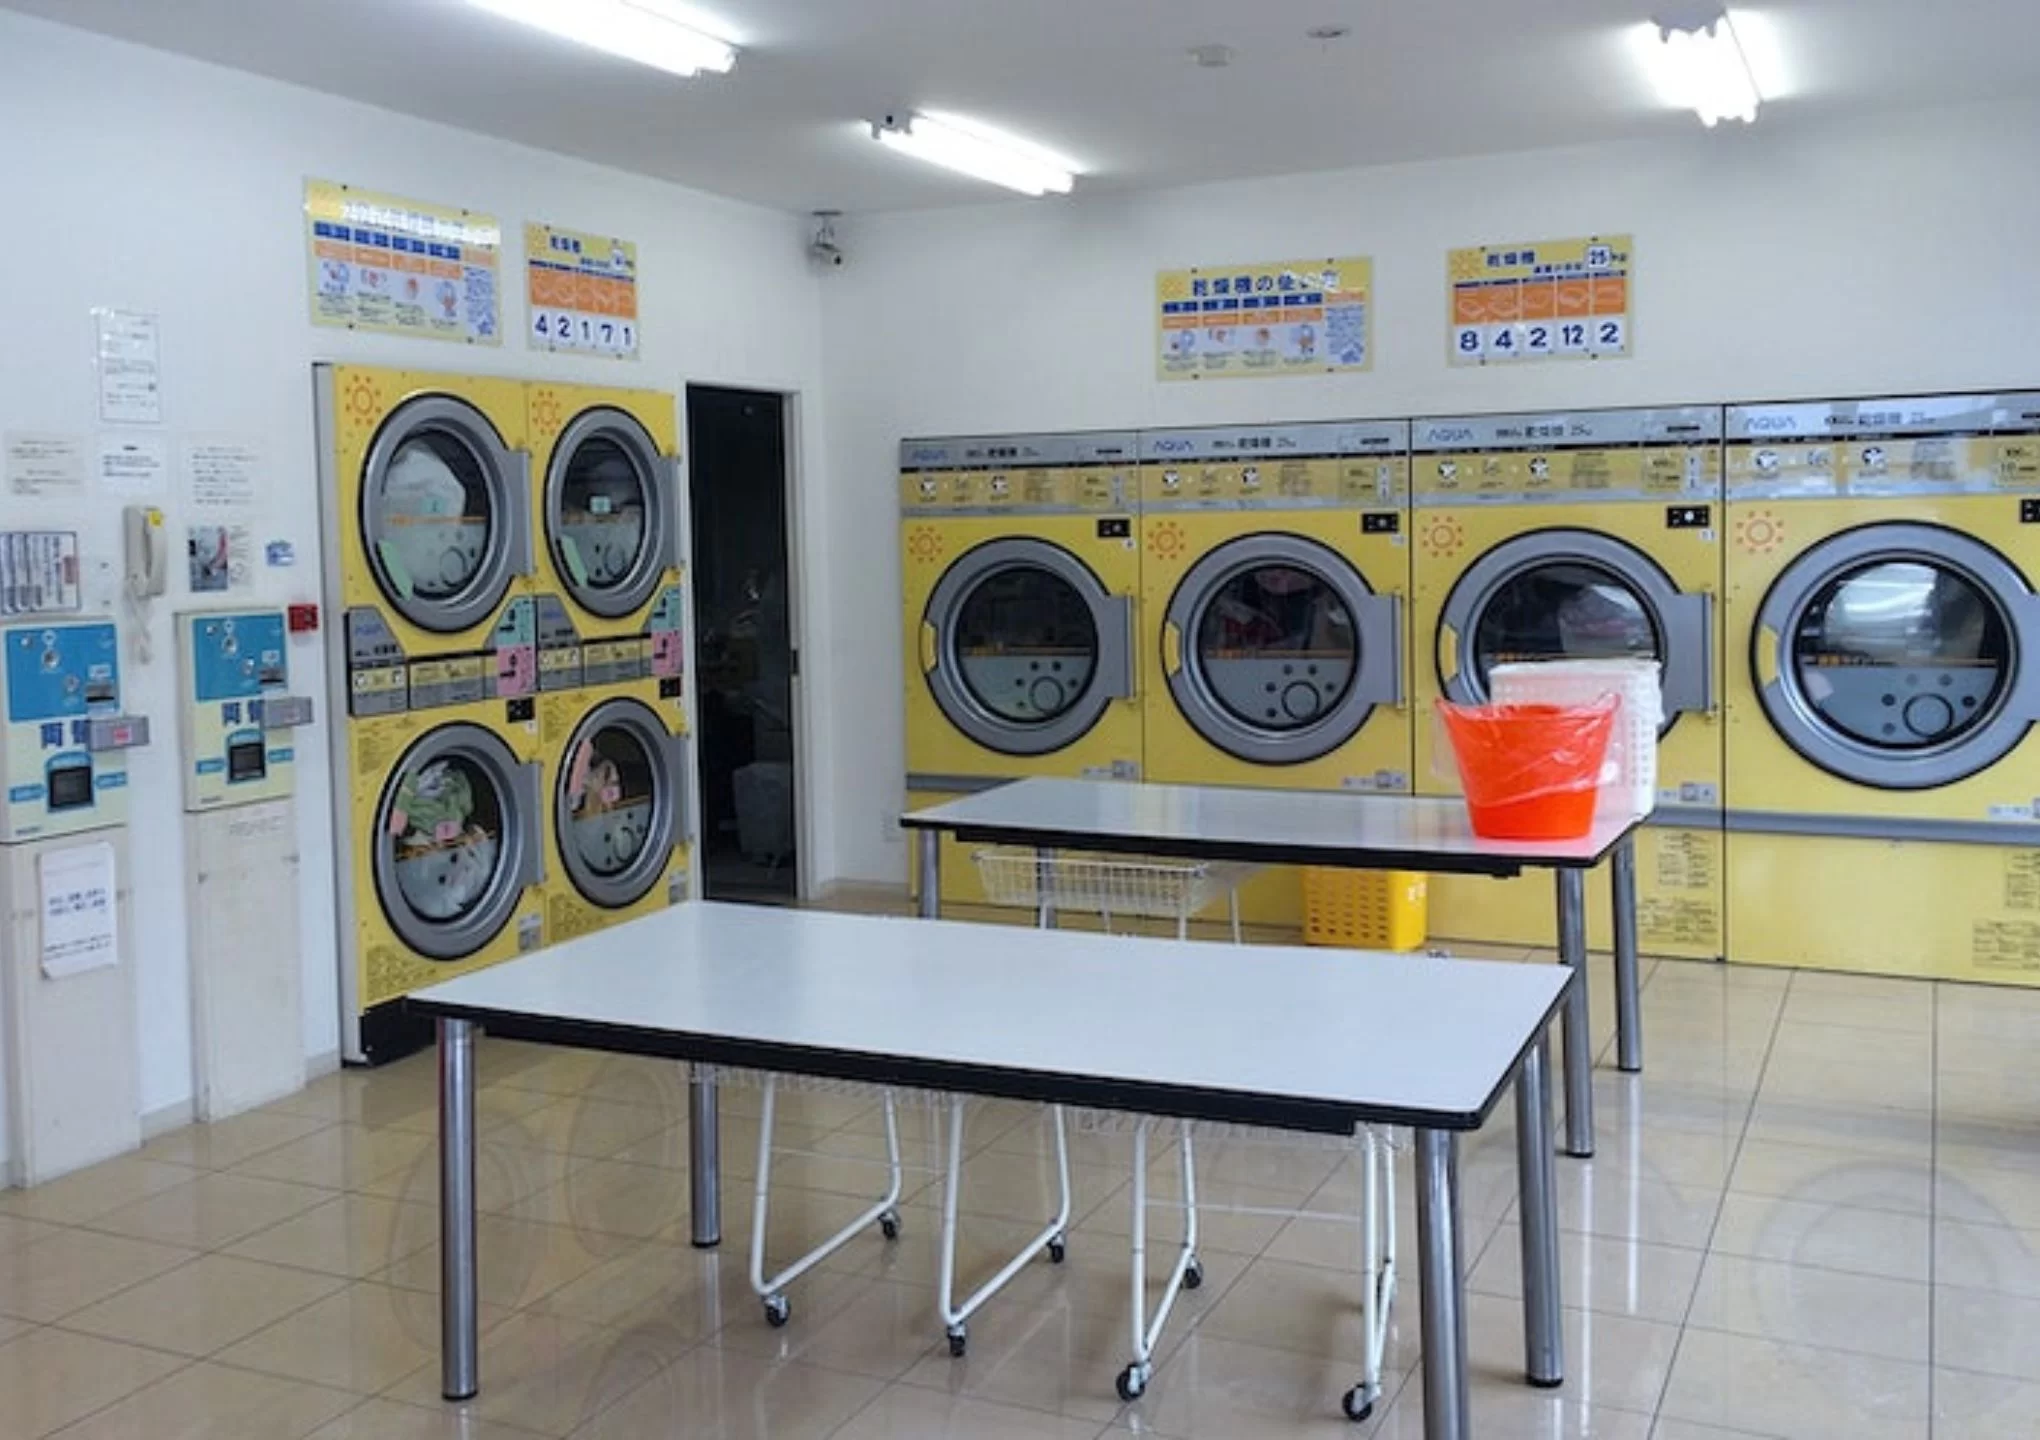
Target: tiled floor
[{"x": 1817, "y": 1215}]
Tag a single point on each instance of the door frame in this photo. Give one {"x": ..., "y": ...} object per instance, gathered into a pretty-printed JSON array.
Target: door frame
[{"x": 798, "y": 589}]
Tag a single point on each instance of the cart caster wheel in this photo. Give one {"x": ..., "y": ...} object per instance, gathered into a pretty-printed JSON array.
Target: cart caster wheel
[
  {"x": 959, "y": 1341},
  {"x": 1358, "y": 1404},
  {"x": 777, "y": 1311},
  {"x": 1058, "y": 1251},
  {"x": 1132, "y": 1383},
  {"x": 889, "y": 1225},
  {"x": 1193, "y": 1275}
]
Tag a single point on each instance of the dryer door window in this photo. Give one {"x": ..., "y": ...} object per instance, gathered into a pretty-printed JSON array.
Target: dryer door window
[
  {"x": 444, "y": 514},
  {"x": 1891, "y": 655},
  {"x": 1277, "y": 650},
  {"x": 617, "y": 806},
  {"x": 1024, "y": 647},
  {"x": 1575, "y": 595},
  {"x": 609, "y": 496},
  {"x": 453, "y": 845}
]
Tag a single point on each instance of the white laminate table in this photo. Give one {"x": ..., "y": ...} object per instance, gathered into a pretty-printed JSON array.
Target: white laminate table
[
  {"x": 1249, "y": 1035},
  {"x": 1305, "y": 827}
]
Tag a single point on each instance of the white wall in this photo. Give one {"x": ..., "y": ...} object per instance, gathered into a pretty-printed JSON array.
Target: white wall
[
  {"x": 146, "y": 181},
  {"x": 1779, "y": 261}
]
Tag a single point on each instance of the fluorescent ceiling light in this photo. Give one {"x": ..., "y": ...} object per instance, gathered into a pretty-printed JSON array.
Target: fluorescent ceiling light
[
  {"x": 975, "y": 150},
  {"x": 637, "y": 30},
  {"x": 1701, "y": 66}
]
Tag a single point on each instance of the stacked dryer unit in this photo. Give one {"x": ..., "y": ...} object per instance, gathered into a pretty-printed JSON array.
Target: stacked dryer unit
[{"x": 1884, "y": 636}]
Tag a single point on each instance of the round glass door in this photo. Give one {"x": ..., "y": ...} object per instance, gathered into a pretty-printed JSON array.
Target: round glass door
[
  {"x": 608, "y": 511},
  {"x": 1030, "y": 648},
  {"x": 1898, "y": 652},
  {"x": 452, "y": 844},
  {"x": 1284, "y": 649},
  {"x": 1563, "y": 610},
  {"x": 443, "y": 514},
  {"x": 616, "y": 810}
]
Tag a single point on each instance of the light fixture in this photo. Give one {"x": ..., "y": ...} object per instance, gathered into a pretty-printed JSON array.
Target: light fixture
[
  {"x": 1701, "y": 65},
  {"x": 640, "y": 30},
  {"x": 975, "y": 150}
]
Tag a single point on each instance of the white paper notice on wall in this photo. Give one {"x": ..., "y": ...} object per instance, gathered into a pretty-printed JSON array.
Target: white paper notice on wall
[
  {"x": 133, "y": 467},
  {"x": 130, "y": 367},
  {"x": 221, "y": 473},
  {"x": 40, "y": 463},
  {"x": 80, "y": 921}
]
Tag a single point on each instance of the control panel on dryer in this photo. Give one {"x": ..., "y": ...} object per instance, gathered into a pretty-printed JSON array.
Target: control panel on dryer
[
  {"x": 237, "y": 711},
  {"x": 66, "y": 770}
]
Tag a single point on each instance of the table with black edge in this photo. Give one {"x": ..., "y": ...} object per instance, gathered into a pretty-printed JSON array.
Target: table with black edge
[
  {"x": 1303, "y": 827},
  {"x": 1255, "y": 1035}
]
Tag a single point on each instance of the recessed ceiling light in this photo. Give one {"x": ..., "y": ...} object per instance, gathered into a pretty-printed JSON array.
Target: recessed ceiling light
[
  {"x": 1699, "y": 63},
  {"x": 1329, "y": 32},
  {"x": 1212, "y": 57},
  {"x": 978, "y": 151}
]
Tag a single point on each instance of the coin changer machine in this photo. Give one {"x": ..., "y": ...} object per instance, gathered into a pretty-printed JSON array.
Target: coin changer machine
[
  {"x": 72, "y": 1059},
  {"x": 236, "y": 719}
]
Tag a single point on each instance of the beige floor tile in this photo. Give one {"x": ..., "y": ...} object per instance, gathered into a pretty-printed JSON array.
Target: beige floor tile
[
  {"x": 80, "y": 1198},
  {"x": 1865, "y": 1130},
  {"x": 1800, "y": 1305},
  {"x": 586, "y": 1126},
  {"x": 350, "y": 1235},
  {"x": 1693, "y": 1159},
  {"x": 340, "y": 1157},
  {"x": 212, "y": 1402},
  {"x": 553, "y": 1375},
  {"x": 212, "y": 1211},
  {"x": 1504, "y": 1409},
  {"x": 389, "y": 1420},
  {"x": 1843, "y": 1076},
  {"x": 1612, "y": 1361},
  {"x": 1020, "y": 1187},
  {"x": 1985, "y": 1407},
  {"x": 71, "y": 1269},
  {"x": 375, "y": 1098},
  {"x": 506, "y": 1175},
  {"x": 1987, "y": 1187},
  {"x": 983, "y": 1246},
  {"x": 1987, "y": 1332},
  {"x": 1689, "y": 1430},
  {"x": 1861, "y": 1002},
  {"x": 1213, "y": 1389},
  {"x": 1909, "y": 1052},
  {"x": 364, "y": 1339},
  {"x": 732, "y": 1396},
  {"x": 1061, "y": 1361},
  {"x": 1612, "y": 1277},
  {"x": 692, "y": 1292},
  {"x": 202, "y": 1307},
  {"x": 1966, "y": 1012},
  {"x": 1851, "y": 1179},
  {"x": 1987, "y": 1257},
  {"x": 879, "y": 1329},
  {"x": 1305, "y": 1310},
  {"x": 904, "y": 1412},
  {"x": 15, "y": 1233},
  {"x": 1828, "y": 1237},
  {"x": 1627, "y": 1207},
  {"x": 522, "y": 1261},
  {"x": 52, "y": 1377},
  {"x": 10, "y": 1328},
  {"x": 1243, "y": 1234},
  {"x": 638, "y": 1202},
  {"x": 1787, "y": 1390},
  {"x": 228, "y": 1142}
]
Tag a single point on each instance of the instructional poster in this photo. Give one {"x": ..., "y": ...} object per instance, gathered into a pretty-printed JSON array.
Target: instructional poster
[
  {"x": 1541, "y": 300},
  {"x": 402, "y": 267},
  {"x": 1291, "y": 317},
  {"x": 583, "y": 291}
]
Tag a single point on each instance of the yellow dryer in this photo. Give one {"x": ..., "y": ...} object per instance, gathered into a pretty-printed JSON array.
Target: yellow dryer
[
  {"x": 1274, "y": 564},
  {"x": 616, "y": 804},
  {"x": 443, "y": 854},
  {"x": 1885, "y": 635},
  {"x": 1021, "y": 573},
  {"x": 606, "y": 517},
  {"x": 1588, "y": 535}
]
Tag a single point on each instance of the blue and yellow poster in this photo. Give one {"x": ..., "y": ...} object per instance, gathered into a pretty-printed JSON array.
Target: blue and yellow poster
[
  {"x": 1541, "y": 300},
  {"x": 1289, "y": 317},
  {"x": 403, "y": 267}
]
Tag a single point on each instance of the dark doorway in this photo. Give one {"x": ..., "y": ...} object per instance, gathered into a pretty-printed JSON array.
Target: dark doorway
[{"x": 744, "y": 656}]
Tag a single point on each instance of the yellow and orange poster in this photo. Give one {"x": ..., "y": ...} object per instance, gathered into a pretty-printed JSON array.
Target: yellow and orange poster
[
  {"x": 1290, "y": 317},
  {"x": 1541, "y": 300},
  {"x": 402, "y": 267},
  {"x": 583, "y": 291}
]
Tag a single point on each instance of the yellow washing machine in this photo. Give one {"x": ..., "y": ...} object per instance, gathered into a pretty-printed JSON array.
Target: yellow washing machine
[
  {"x": 1884, "y": 635},
  {"x": 1589, "y": 535},
  {"x": 616, "y": 797},
  {"x": 426, "y": 487},
  {"x": 606, "y": 517},
  {"x": 1021, "y": 572},
  {"x": 443, "y": 853},
  {"x": 1274, "y": 564}
]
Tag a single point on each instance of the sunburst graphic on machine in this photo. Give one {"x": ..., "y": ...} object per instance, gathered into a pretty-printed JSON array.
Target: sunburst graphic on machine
[
  {"x": 1759, "y": 532},
  {"x": 364, "y": 400},
  {"x": 1166, "y": 540},
  {"x": 924, "y": 544},
  {"x": 1443, "y": 536},
  {"x": 547, "y": 413}
]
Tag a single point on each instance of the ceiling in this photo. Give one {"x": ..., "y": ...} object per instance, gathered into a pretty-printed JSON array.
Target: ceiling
[{"x": 1109, "y": 83}]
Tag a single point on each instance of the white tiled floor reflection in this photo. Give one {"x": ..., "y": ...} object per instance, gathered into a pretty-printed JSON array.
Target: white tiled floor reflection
[{"x": 1816, "y": 1215}]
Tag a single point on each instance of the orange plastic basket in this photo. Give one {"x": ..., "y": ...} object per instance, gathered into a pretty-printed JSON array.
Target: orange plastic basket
[{"x": 1531, "y": 772}]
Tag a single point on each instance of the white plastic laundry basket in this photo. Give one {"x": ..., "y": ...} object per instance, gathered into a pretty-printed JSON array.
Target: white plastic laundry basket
[{"x": 1630, "y": 780}]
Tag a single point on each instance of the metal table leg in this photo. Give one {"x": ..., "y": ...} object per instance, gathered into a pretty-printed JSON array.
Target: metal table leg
[
  {"x": 1537, "y": 1207},
  {"x": 459, "y": 1304},
  {"x": 930, "y": 861},
  {"x": 1576, "y": 1038},
  {"x": 1628, "y": 1000},
  {"x": 1443, "y": 1302},
  {"x": 704, "y": 1157}
]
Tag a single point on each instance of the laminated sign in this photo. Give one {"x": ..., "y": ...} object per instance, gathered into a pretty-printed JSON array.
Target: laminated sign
[
  {"x": 80, "y": 927},
  {"x": 1540, "y": 300},
  {"x": 1289, "y": 317}
]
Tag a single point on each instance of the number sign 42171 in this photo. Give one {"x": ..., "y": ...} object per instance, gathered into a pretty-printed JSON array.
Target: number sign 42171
[{"x": 591, "y": 334}]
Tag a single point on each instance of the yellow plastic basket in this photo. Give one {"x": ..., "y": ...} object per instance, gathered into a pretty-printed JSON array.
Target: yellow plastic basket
[{"x": 1365, "y": 909}]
